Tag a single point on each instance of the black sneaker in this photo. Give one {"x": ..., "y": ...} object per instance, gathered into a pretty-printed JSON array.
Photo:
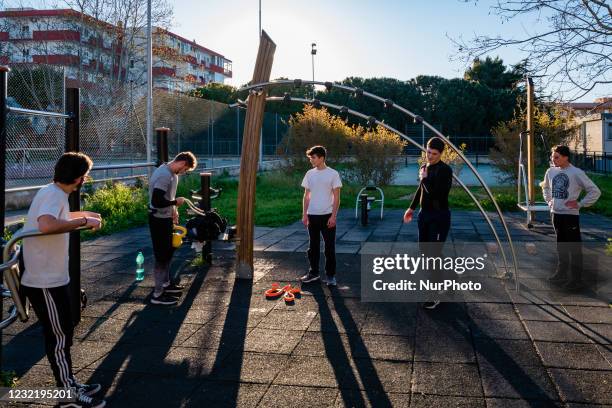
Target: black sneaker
[
  {"x": 574, "y": 286},
  {"x": 83, "y": 401},
  {"x": 174, "y": 289},
  {"x": 431, "y": 305},
  {"x": 88, "y": 389},
  {"x": 557, "y": 277},
  {"x": 309, "y": 278},
  {"x": 164, "y": 299}
]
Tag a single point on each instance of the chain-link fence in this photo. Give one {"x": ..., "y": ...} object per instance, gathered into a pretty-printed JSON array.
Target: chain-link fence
[
  {"x": 113, "y": 127},
  {"x": 34, "y": 143}
]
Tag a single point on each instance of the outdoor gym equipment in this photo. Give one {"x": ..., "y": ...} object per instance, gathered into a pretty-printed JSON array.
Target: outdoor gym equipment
[
  {"x": 523, "y": 187},
  {"x": 366, "y": 202},
  {"x": 360, "y": 93},
  {"x": 526, "y": 177},
  {"x": 12, "y": 277}
]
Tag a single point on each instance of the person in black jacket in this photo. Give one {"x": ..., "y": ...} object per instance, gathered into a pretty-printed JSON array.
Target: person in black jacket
[{"x": 436, "y": 179}]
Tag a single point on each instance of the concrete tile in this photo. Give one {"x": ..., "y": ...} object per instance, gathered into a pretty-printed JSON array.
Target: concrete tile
[
  {"x": 508, "y": 353},
  {"x": 446, "y": 379},
  {"x": 312, "y": 371},
  {"x": 265, "y": 340},
  {"x": 399, "y": 348},
  {"x": 221, "y": 394},
  {"x": 583, "y": 386},
  {"x": 298, "y": 396},
  {"x": 571, "y": 355},
  {"x": 556, "y": 331},
  {"x": 498, "y": 329},
  {"x": 524, "y": 382},
  {"x": 441, "y": 401}
]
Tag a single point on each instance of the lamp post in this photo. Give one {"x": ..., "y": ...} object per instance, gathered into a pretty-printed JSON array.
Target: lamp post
[{"x": 313, "y": 52}]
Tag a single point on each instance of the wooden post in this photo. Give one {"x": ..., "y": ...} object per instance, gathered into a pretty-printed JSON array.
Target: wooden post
[
  {"x": 249, "y": 160},
  {"x": 530, "y": 148}
]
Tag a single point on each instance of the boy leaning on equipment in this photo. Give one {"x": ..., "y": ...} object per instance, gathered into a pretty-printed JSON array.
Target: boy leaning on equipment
[{"x": 45, "y": 280}]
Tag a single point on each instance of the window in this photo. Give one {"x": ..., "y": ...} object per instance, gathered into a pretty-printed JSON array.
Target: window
[
  {"x": 25, "y": 52},
  {"x": 609, "y": 130},
  {"x": 131, "y": 63},
  {"x": 25, "y": 29}
]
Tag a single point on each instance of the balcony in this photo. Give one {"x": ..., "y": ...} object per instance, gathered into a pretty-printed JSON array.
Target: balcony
[
  {"x": 56, "y": 35},
  {"x": 56, "y": 59},
  {"x": 164, "y": 71}
]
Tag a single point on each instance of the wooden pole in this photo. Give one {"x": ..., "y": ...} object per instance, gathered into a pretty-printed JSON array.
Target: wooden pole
[
  {"x": 530, "y": 147},
  {"x": 249, "y": 160}
]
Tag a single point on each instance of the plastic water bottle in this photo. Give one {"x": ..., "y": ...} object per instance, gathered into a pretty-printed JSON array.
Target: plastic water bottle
[{"x": 139, "y": 266}]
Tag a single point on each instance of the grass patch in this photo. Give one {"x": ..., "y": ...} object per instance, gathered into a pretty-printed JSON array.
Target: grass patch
[
  {"x": 278, "y": 200},
  {"x": 8, "y": 379}
]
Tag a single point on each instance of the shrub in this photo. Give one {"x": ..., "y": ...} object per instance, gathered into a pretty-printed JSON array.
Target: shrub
[
  {"x": 315, "y": 127},
  {"x": 375, "y": 152},
  {"x": 450, "y": 157},
  {"x": 549, "y": 126},
  {"x": 360, "y": 154},
  {"x": 120, "y": 206}
]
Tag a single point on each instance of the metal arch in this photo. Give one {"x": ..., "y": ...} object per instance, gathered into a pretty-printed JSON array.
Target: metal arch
[
  {"x": 330, "y": 85},
  {"x": 391, "y": 129}
]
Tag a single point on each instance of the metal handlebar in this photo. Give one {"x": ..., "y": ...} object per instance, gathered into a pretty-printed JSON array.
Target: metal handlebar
[{"x": 12, "y": 275}]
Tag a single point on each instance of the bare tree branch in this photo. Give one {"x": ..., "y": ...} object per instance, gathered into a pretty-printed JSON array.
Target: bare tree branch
[{"x": 570, "y": 48}]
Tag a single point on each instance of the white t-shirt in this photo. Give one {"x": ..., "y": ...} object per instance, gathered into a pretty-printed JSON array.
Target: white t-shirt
[
  {"x": 321, "y": 184},
  {"x": 46, "y": 258}
]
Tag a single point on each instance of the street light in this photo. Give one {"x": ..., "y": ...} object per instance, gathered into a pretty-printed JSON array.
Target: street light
[{"x": 313, "y": 52}]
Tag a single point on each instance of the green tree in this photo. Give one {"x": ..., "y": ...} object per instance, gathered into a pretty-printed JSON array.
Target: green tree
[
  {"x": 216, "y": 92},
  {"x": 492, "y": 73}
]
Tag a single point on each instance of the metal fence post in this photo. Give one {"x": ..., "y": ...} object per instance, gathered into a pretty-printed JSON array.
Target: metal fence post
[
  {"x": 73, "y": 107},
  {"x": 3, "y": 112},
  {"x": 161, "y": 134},
  {"x": 205, "y": 179}
]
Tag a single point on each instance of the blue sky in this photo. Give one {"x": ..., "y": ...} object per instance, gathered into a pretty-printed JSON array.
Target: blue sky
[{"x": 366, "y": 38}]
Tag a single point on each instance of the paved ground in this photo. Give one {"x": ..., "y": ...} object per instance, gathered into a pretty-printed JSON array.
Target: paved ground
[{"x": 226, "y": 345}]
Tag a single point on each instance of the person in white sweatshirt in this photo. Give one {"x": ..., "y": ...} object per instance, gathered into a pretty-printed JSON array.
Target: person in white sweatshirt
[{"x": 561, "y": 188}]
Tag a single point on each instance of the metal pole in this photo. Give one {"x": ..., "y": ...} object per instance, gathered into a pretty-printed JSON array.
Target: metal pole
[
  {"x": 313, "y": 52},
  {"x": 149, "y": 84},
  {"x": 259, "y": 18},
  {"x": 275, "y": 131},
  {"x": 73, "y": 109},
  {"x": 423, "y": 134},
  {"x": 205, "y": 179},
  {"x": 162, "y": 145},
  {"x": 237, "y": 131},
  {"x": 212, "y": 135},
  {"x": 530, "y": 148},
  {"x": 3, "y": 113}
]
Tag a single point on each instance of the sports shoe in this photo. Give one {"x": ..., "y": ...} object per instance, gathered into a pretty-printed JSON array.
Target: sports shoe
[
  {"x": 88, "y": 389},
  {"x": 431, "y": 305},
  {"x": 574, "y": 286},
  {"x": 331, "y": 281},
  {"x": 309, "y": 278},
  {"x": 174, "y": 289},
  {"x": 83, "y": 401},
  {"x": 557, "y": 277},
  {"x": 164, "y": 299}
]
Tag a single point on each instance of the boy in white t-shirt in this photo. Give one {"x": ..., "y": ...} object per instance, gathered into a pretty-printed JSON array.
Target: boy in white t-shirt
[
  {"x": 45, "y": 280},
  {"x": 320, "y": 207}
]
